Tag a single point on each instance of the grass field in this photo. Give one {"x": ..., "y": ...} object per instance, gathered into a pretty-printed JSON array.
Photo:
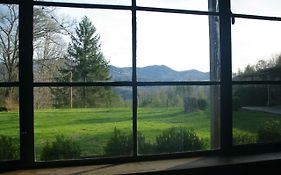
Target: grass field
[{"x": 92, "y": 128}]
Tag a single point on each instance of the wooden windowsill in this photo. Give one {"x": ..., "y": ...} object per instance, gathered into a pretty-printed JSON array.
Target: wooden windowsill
[{"x": 164, "y": 166}]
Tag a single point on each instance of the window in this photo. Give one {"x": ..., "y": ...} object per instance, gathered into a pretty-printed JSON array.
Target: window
[
  {"x": 9, "y": 91},
  {"x": 255, "y": 66},
  {"x": 103, "y": 81}
]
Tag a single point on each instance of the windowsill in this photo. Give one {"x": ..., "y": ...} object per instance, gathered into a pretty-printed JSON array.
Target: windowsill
[{"x": 229, "y": 164}]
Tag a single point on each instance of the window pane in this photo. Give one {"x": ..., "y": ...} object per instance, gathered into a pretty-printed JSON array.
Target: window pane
[
  {"x": 94, "y": 121},
  {"x": 110, "y": 2},
  {"x": 256, "y": 51},
  {"x": 172, "y": 47},
  {"x": 182, "y": 4},
  {"x": 9, "y": 42},
  {"x": 257, "y": 7},
  {"x": 256, "y": 114},
  {"x": 176, "y": 118},
  {"x": 9, "y": 124},
  {"x": 59, "y": 54}
]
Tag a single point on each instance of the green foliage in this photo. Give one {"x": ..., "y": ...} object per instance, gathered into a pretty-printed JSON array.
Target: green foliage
[
  {"x": 84, "y": 50},
  {"x": 61, "y": 148},
  {"x": 170, "y": 140},
  {"x": 178, "y": 139},
  {"x": 202, "y": 104},
  {"x": 243, "y": 138},
  {"x": 144, "y": 147},
  {"x": 270, "y": 131},
  {"x": 119, "y": 144},
  {"x": 251, "y": 95},
  {"x": 85, "y": 62},
  {"x": 9, "y": 148},
  {"x": 3, "y": 109},
  {"x": 61, "y": 97}
]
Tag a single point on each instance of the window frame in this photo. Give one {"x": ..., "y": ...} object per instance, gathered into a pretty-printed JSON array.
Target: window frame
[{"x": 26, "y": 84}]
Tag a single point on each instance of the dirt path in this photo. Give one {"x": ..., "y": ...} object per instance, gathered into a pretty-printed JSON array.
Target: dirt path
[{"x": 273, "y": 109}]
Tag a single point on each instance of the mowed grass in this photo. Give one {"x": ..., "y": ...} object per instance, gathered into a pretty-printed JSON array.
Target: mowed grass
[
  {"x": 250, "y": 121},
  {"x": 92, "y": 128}
]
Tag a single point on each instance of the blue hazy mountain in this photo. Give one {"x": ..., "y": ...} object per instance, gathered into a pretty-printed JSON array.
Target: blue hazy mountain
[{"x": 157, "y": 73}]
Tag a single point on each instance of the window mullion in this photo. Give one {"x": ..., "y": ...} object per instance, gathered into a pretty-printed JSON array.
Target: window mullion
[
  {"x": 134, "y": 78},
  {"x": 226, "y": 75},
  {"x": 26, "y": 82}
]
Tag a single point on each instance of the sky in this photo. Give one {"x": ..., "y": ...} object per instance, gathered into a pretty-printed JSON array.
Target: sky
[{"x": 179, "y": 41}]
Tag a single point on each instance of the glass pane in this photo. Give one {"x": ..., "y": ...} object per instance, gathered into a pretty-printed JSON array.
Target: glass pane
[
  {"x": 82, "y": 122},
  {"x": 9, "y": 124},
  {"x": 256, "y": 50},
  {"x": 59, "y": 54},
  {"x": 176, "y": 119},
  {"x": 256, "y": 114},
  {"x": 9, "y": 43},
  {"x": 182, "y": 4},
  {"x": 172, "y": 47},
  {"x": 257, "y": 7},
  {"x": 109, "y": 2}
]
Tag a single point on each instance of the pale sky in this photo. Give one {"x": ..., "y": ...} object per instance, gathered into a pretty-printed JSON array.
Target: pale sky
[{"x": 181, "y": 41}]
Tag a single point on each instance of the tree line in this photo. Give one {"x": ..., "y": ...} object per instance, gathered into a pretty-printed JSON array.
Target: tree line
[
  {"x": 258, "y": 95},
  {"x": 81, "y": 61}
]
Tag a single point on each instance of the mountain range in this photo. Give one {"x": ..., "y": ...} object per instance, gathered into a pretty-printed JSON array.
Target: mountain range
[{"x": 157, "y": 73}]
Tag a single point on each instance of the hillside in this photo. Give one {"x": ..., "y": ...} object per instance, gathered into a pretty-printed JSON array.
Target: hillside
[{"x": 157, "y": 73}]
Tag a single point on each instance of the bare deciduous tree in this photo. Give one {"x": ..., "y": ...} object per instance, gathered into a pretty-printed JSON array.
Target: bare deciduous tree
[{"x": 47, "y": 41}]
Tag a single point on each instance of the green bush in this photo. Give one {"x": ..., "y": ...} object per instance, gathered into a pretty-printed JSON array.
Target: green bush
[
  {"x": 144, "y": 147},
  {"x": 121, "y": 143},
  {"x": 9, "y": 148},
  {"x": 61, "y": 148},
  {"x": 243, "y": 138},
  {"x": 202, "y": 104},
  {"x": 270, "y": 131},
  {"x": 118, "y": 144},
  {"x": 3, "y": 109},
  {"x": 251, "y": 95},
  {"x": 178, "y": 139}
]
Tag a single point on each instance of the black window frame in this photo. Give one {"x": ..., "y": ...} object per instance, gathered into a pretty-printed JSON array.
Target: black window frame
[{"x": 26, "y": 85}]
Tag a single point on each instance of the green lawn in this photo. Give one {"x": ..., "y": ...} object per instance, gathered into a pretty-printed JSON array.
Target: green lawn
[{"x": 92, "y": 128}]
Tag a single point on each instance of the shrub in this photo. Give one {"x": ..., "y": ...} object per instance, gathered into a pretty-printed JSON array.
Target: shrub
[
  {"x": 9, "y": 148},
  {"x": 202, "y": 104},
  {"x": 3, "y": 109},
  {"x": 61, "y": 148},
  {"x": 144, "y": 147},
  {"x": 121, "y": 143},
  {"x": 178, "y": 140},
  {"x": 243, "y": 138},
  {"x": 270, "y": 131}
]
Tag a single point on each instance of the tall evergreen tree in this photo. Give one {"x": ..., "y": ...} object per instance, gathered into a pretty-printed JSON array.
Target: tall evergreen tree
[
  {"x": 86, "y": 57},
  {"x": 85, "y": 62}
]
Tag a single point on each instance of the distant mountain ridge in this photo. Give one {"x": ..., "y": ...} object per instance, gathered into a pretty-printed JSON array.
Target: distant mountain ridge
[{"x": 157, "y": 73}]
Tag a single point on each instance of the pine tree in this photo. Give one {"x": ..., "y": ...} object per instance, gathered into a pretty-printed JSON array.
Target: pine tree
[
  {"x": 85, "y": 62},
  {"x": 88, "y": 62}
]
